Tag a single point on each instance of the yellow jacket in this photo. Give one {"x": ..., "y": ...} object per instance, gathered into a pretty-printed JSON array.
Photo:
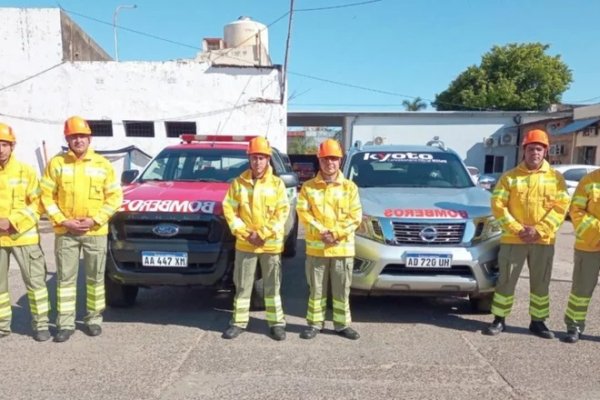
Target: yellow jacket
[
  {"x": 81, "y": 188},
  {"x": 20, "y": 203},
  {"x": 534, "y": 198},
  {"x": 333, "y": 207},
  {"x": 585, "y": 212},
  {"x": 261, "y": 206}
]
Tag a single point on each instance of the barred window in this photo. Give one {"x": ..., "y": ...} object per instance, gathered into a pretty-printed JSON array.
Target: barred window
[
  {"x": 139, "y": 128},
  {"x": 101, "y": 127},
  {"x": 176, "y": 129}
]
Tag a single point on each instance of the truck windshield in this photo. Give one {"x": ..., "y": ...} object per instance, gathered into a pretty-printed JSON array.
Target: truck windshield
[
  {"x": 196, "y": 165},
  {"x": 408, "y": 169}
]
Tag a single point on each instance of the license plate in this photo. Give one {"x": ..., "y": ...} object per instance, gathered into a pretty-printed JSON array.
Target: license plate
[
  {"x": 164, "y": 259},
  {"x": 428, "y": 260}
]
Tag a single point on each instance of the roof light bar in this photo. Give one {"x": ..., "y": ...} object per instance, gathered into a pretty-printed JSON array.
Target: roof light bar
[{"x": 190, "y": 137}]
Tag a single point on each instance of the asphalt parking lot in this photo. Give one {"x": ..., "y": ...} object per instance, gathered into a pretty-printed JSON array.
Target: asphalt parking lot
[{"x": 169, "y": 346}]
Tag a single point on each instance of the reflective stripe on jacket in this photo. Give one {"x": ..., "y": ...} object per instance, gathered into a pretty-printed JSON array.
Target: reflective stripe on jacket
[
  {"x": 20, "y": 203},
  {"x": 333, "y": 207},
  {"x": 261, "y": 206},
  {"x": 80, "y": 188},
  {"x": 585, "y": 212},
  {"x": 534, "y": 198}
]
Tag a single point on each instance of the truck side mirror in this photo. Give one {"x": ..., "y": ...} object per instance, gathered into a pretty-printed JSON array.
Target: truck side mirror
[
  {"x": 290, "y": 179},
  {"x": 129, "y": 176}
]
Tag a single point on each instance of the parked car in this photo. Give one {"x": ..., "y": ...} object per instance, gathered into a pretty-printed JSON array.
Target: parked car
[
  {"x": 427, "y": 228},
  {"x": 488, "y": 181},
  {"x": 171, "y": 230},
  {"x": 573, "y": 174}
]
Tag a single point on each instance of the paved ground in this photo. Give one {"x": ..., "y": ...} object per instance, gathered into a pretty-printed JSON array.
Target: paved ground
[{"x": 169, "y": 347}]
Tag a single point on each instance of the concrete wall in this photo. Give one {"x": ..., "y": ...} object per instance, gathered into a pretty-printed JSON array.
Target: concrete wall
[
  {"x": 586, "y": 112},
  {"x": 77, "y": 45},
  {"x": 232, "y": 100},
  {"x": 30, "y": 40},
  {"x": 463, "y": 132}
]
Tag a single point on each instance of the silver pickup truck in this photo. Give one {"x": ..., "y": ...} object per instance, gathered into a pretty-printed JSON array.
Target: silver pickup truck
[{"x": 427, "y": 228}]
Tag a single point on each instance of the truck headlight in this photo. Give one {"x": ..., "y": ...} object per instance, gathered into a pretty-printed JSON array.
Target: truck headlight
[
  {"x": 370, "y": 228},
  {"x": 485, "y": 228}
]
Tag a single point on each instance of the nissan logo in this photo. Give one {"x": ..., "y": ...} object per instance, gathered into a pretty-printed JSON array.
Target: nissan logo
[
  {"x": 166, "y": 230},
  {"x": 428, "y": 234}
]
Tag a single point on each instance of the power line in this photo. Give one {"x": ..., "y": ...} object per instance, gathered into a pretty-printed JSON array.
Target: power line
[
  {"x": 150, "y": 35},
  {"x": 362, "y": 3},
  {"x": 31, "y": 76}
]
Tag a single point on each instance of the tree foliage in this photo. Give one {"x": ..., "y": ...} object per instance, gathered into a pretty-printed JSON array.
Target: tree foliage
[
  {"x": 512, "y": 77},
  {"x": 302, "y": 145},
  {"x": 417, "y": 104}
]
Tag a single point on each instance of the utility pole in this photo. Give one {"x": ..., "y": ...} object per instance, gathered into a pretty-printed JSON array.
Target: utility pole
[{"x": 115, "y": 14}]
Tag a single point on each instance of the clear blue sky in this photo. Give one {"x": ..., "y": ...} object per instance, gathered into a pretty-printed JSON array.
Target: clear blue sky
[{"x": 407, "y": 47}]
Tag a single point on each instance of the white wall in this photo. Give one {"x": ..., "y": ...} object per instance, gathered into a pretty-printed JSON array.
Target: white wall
[
  {"x": 220, "y": 100},
  {"x": 463, "y": 133},
  {"x": 30, "y": 41}
]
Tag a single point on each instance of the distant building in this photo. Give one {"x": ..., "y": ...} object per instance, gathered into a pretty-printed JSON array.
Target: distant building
[{"x": 56, "y": 70}]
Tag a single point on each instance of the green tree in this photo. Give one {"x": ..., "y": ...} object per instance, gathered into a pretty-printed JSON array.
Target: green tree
[
  {"x": 417, "y": 104},
  {"x": 302, "y": 145},
  {"x": 512, "y": 77}
]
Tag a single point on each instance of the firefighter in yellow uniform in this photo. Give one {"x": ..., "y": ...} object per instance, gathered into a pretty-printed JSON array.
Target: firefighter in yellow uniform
[
  {"x": 530, "y": 203},
  {"x": 80, "y": 193},
  {"x": 256, "y": 207},
  {"x": 585, "y": 215},
  {"x": 20, "y": 210},
  {"x": 330, "y": 210}
]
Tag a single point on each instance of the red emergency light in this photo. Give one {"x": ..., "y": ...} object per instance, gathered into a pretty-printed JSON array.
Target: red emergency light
[{"x": 190, "y": 137}]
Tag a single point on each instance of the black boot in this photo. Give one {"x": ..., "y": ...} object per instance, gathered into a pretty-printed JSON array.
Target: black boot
[
  {"x": 63, "y": 335},
  {"x": 573, "y": 335},
  {"x": 539, "y": 328},
  {"x": 232, "y": 332},
  {"x": 497, "y": 326}
]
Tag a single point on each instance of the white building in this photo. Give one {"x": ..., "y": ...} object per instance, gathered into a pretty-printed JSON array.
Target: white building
[
  {"x": 52, "y": 70},
  {"x": 487, "y": 140}
]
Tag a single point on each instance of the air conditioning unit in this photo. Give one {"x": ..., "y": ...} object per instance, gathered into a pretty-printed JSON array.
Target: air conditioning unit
[
  {"x": 508, "y": 139},
  {"x": 489, "y": 142}
]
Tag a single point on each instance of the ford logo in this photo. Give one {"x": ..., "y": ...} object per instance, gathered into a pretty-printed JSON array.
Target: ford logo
[
  {"x": 428, "y": 234},
  {"x": 166, "y": 230}
]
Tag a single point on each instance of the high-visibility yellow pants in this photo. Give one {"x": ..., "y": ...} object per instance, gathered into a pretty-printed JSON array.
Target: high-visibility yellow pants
[
  {"x": 31, "y": 261},
  {"x": 68, "y": 249},
  {"x": 585, "y": 278},
  {"x": 319, "y": 272},
  {"x": 243, "y": 277},
  {"x": 511, "y": 259}
]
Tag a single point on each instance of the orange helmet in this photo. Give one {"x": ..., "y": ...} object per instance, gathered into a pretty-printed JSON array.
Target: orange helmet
[
  {"x": 77, "y": 126},
  {"x": 6, "y": 133},
  {"x": 536, "y": 136},
  {"x": 330, "y": 148},
  {"x": 259, "y": 145}
]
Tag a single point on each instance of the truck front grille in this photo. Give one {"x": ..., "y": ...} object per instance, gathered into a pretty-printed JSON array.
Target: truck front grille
[
  {"x": 191, "y": 227},
  {"x": 428, "y": 234},
  {"x": 401, "y": 269}
]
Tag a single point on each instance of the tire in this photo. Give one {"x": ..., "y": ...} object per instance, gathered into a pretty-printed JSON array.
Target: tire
[
  {"x": 482, "y": 303},
  {"x": 257, "y": 302},
  {"x": 118, "y": 295},
  {"x": 289, "y": 248}
]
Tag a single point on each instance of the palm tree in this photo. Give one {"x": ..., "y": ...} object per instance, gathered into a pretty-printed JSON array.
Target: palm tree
[{"x": 416, "y": 105}]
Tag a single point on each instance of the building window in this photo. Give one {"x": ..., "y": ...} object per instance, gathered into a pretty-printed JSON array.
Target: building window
[
  {"x": 176, "y": 129},
  {"x": 493, "y": 164},
  {"x": 101, "y": 127},
  {"x": 139, "y": 128}
]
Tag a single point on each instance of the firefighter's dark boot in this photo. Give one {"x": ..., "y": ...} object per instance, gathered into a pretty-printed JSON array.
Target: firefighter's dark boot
[
  {"x": 497, "y": 326},
  {"x": 573, "y": 335},
  {"x": 539, "y": 328}
]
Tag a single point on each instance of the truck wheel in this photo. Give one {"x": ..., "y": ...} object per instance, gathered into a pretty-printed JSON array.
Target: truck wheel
[
  {"x": 257, "y": 302},
  {"x": 118, "y": 295},
  {"x": 289, "y": 248},
  {"x": 482, "y": 303}
]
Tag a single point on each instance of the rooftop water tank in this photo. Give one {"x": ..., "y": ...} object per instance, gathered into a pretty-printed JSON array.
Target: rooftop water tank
[{"x": 246, "y": 32}]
